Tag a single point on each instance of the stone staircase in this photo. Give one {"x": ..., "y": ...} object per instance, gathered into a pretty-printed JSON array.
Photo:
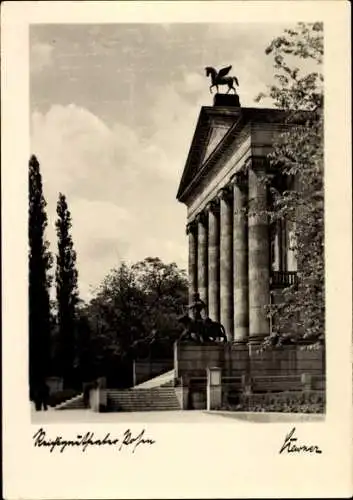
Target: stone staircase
[
  {"x": 157, "y": 394},
  {"x": 75, "y": 403},
  {"x": 162, "y": 398},
  {"x": 164, "y": 380}
]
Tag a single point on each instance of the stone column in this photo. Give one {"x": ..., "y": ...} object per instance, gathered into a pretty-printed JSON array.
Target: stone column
[
  {"x": 259, "y": 252},
  {"x": 202, "y": 256},
  {"x": 226, "y": 261},
  {"x": 191, "y": 231},
  {"x": 240, "y": 257},
  {"x": 213, "y": 259}
]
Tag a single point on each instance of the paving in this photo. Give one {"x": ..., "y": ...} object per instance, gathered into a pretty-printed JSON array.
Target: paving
[{"x": 182, "y": 417}]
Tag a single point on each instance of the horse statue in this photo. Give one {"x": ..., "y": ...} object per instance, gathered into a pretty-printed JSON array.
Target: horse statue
[
  {"x": 202, "y": 331},
  {"x": 221, "y": 78}
]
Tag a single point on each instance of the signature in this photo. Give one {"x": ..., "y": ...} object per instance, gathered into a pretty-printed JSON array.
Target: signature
[
  {"x": 291, "y": 446},
  {"x": 83, "y": 441}
]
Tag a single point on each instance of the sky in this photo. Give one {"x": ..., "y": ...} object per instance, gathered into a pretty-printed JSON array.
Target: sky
[{"x": 113, "y": 112}]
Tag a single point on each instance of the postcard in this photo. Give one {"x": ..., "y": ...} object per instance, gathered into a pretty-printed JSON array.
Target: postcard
[{"x": 176, "y": 249}]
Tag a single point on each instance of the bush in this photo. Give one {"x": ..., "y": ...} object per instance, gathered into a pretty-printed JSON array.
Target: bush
[{"x": 281, "y": 402}]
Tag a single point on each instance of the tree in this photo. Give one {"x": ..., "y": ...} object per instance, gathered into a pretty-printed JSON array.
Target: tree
[
  {"x": 39, "y": 281},
  {"x": 297, "y": 160},
  {"x": 134, "y": 314},
  {"x": 119, "y": 309},
  {"x": 66, "y": 292},
  {"x": 165, "y": 289}
]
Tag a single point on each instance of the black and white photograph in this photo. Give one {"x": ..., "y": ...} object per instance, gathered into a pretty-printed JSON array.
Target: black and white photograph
[
  {"x": 176, "y": 219},
  {"x": 176, "y": 251}
]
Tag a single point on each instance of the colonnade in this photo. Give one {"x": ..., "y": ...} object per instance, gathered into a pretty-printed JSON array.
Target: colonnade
[{"x": 229, "y": 255}]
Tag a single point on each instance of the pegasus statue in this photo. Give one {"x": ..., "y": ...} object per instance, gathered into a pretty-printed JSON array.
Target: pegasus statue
[{"x": 221, "y": 78}]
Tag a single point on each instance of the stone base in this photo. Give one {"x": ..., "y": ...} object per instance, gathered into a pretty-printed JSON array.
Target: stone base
[
  {"x": 240, "y": 342},
  {"x": 257, "y": 339},
  {"x": 226, "y": 100}
]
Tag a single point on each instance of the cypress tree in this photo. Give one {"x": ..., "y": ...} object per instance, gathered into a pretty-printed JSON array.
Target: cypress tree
[
  {"x": 39, "y": 282},
  {"x": 66, "y": 292}
]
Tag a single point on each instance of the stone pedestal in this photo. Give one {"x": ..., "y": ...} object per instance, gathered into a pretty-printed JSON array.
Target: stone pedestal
[
  {"x": 240, "y": 258},
  {"x": 214, "y": 388},
  {"x": 259, "y": 253},
  {"x": 202, "y": 257},
  {"x": 213, "y": 260},
  {"x": 226, "y": 100},
  {"x": 226, "y": 262},
  {"x": 98, "y": 399},
  {"x": 306, "y": 380}
]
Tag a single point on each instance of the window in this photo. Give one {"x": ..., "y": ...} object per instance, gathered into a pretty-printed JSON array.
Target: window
[{"x": 283, "y": 256}]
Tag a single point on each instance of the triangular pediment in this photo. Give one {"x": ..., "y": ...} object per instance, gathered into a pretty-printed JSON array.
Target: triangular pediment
[
  {"x": 217, "y": 130},
  {"x": 212, "y": 127}
]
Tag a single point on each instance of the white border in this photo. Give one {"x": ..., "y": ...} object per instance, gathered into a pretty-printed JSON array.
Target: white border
[{"x": 232, "y": 460}]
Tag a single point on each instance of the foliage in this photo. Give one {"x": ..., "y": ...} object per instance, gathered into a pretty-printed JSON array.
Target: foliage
[
  {"x": 295, "y": 88},
  {"x": 134, "y": 314},
  {"x": 40, "y": 262},
  {"x": 295, "y": 177},
  {"x": 66, "y": 291},
  {"x": 284, "y": 402},
  {"x": 164, "y": 288}
]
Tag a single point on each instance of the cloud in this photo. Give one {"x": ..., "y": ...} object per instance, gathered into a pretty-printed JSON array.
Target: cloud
[
  {"x": 192, "y": 83},
  {"x": 120, "y": 181},
  {"x": 120, "y": 189},
  {"x": 121, "y": 175},
  {"x": 41, "y": 56},
  {"x": 101, "y": 236},
  {"x": 80, "y": 152},
  {"x": 89, "y": 162}
]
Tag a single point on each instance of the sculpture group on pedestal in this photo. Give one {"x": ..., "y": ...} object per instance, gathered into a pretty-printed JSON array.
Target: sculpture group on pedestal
[{"x": 200, "y": 329}]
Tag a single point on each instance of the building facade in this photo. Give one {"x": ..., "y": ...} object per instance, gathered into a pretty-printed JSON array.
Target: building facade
[{"x": 237, "y": 262}]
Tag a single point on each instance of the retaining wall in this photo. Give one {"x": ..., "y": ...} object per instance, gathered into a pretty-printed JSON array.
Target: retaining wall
[
  {"x": 146, "y": 369},
  {"x": 192, "y": 360}
]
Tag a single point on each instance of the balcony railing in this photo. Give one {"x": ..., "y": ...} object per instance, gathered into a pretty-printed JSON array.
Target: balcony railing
[{"x": 282, "y": 279}]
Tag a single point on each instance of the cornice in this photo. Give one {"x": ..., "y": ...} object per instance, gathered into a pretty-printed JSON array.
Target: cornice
[
  {"x": 275, "y": 118},
  {"x": 196, "y": 150},
  {"x": 216, "y": 154}
]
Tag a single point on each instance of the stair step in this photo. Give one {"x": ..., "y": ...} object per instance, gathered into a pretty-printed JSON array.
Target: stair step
[
  {"x": 74, "y": 403},
  {"x": 144, "y": 399}
]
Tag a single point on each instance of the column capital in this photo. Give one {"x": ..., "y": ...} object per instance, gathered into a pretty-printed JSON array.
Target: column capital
[
  {"x": 191, "y": 227},
  {"x": 226, "y": 193},
  {"x": 213, "y": 206},
  {"x": 240, "y": 179},
  {"x": 201, "y": 218}
]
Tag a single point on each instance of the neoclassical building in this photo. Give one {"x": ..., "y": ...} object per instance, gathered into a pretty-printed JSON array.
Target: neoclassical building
[{"x": 235, "y": 258}]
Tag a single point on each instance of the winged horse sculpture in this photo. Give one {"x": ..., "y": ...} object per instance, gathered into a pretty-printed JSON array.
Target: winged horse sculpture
[{"x": 221, "y": 78}]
